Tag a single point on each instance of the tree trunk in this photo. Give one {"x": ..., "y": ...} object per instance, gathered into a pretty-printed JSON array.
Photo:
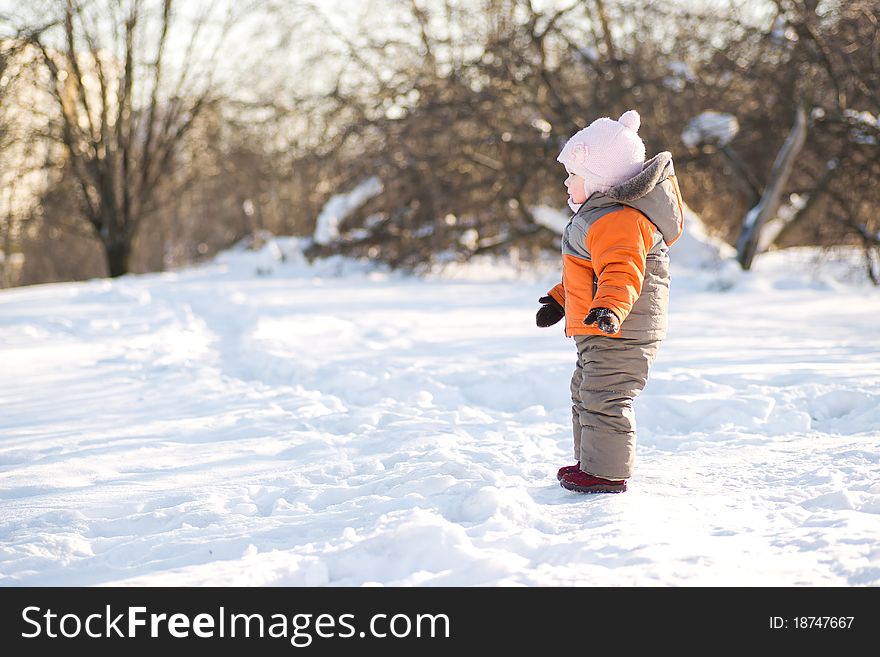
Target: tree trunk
[
  {"x": 747, "y": 244},
  {"x": 5, "y": 278},
  {"x": 117, "y": 258}
]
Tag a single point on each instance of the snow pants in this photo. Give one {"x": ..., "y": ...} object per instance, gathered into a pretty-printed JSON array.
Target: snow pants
[{"x": 610, "y": 373}]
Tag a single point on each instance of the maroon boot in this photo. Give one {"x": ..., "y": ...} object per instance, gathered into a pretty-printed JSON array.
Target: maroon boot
[
  {"x": 584, "y": 482},
  {"x": 566, "y": 469}
]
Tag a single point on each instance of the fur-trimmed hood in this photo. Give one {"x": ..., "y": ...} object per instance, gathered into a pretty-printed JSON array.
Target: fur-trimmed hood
[{"x": 653, "y": 192}]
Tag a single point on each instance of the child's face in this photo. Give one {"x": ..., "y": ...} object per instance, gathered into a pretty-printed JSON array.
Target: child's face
[{"x": 575, "y": 186}]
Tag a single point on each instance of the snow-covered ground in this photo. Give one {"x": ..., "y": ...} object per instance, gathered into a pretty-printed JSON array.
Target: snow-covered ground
[{"x": 337, "y": 425}]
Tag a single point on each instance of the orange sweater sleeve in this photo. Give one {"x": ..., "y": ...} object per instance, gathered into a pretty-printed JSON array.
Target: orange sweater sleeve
[
  {"x": 558, "y": 293},
  {"x": 619, "y": 243}
]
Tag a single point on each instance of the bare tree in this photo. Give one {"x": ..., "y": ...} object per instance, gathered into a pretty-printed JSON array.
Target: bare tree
[
  {"x": 826, "y": 63},
  {"x": 7, "y": 53},
  {"x": 20, "y": 161},
  {"x": 453, "y": 112},
  {"x": 124, "y": 108}
]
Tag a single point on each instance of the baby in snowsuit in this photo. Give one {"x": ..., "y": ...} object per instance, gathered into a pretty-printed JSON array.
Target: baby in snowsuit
[{"x": 614, "y": 292}]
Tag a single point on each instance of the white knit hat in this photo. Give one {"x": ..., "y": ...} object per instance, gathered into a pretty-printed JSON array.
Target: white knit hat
[{"x": 606, "y": 152}]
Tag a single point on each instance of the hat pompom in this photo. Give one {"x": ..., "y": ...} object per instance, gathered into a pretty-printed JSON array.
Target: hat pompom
[{"x": 630, "y": 119}]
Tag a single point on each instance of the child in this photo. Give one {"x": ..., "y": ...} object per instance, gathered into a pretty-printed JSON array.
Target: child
[{"x": 614, "y": 291}]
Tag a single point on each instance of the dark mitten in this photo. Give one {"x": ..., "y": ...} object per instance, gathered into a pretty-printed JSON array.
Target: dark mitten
[
  {"x": 605, "y": 319},
  {"x": 550, "y": 313}
]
